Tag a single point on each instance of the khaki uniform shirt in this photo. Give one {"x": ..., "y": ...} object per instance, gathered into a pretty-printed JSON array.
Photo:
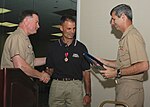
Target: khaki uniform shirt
[
  {"x": 17, "y": 43},
  {"x": 131, "y": 50}
]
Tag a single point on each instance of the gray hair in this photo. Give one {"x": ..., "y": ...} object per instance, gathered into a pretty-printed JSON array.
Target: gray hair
[{"x": 122, "y": 8}]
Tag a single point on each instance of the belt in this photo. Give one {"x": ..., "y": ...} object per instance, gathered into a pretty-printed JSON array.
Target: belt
[{"x": 65, "y": 79}]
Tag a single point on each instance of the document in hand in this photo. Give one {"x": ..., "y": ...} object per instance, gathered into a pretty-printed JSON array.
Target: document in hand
[{"x": 93, "y": 61}]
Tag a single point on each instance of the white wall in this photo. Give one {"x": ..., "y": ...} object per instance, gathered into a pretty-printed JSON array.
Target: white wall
[{"x": 95, "y": 33}]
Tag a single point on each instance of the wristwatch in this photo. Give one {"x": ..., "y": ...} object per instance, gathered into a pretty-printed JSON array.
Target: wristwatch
[
  {"x": 88, "y": 94},
  {"x": 118, "y": 73}
]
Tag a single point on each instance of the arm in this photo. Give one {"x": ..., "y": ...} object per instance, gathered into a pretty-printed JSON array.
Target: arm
[
  {"x": 87, "y": 86},
  {"x": 136, "y": 68},
  {"x": 19, "y": 62},
  {"x": 39, "y": 61}
]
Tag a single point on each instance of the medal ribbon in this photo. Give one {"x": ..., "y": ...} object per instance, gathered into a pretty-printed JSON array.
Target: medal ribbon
[{"x": 66, "y": 54}]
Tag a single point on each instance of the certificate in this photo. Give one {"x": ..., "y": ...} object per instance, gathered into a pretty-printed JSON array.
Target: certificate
[{"x": 93, "y": 61}]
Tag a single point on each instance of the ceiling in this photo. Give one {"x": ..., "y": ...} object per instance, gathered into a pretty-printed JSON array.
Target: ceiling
[{"x": 49, "y": 11}]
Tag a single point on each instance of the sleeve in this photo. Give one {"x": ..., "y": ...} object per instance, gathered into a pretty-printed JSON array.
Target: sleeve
[
  {"x": 17, "y": 46},
  {"x": 137, "y": 49}
]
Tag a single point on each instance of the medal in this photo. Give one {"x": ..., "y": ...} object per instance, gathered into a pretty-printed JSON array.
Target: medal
[{"x": 66, "y": 57}]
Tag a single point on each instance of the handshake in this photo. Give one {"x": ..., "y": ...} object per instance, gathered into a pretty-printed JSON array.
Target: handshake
[{"x": 45, "y": 75}]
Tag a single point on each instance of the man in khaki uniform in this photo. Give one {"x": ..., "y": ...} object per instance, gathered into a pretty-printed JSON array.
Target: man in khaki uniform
[
  {"x": 132, "y": 60},
  {"x": 18, "y": 52}
]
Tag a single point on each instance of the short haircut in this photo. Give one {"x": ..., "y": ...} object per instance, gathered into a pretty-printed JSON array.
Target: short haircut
[
  {"x": 122, "y": 8},
  {"x": 26, "y": 13},
  {"x": 67, "y": 18}
]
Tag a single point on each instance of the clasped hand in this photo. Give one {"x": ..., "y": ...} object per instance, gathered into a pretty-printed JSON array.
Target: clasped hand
[
  {"x": 109, "y": 72},
  {"x": 45, "y": 77}
]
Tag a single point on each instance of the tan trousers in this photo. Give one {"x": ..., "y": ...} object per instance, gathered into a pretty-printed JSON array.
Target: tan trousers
[
  {"x": 130, "y": 92},
  {"x": 66, "y": 94}
]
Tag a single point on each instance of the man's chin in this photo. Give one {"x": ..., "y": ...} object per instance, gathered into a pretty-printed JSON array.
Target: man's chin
[
  {"x": 33, "y": 32},
  {"x": 71, "y": 37}
]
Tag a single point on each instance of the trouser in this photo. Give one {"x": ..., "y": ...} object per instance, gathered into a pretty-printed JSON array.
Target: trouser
[
  {"x": 66, "y": 94},
  {"x": 130, "y": 92}
]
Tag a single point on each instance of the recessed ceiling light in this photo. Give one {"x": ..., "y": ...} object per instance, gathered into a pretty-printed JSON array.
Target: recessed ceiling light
[
  {"x": 9, "y": 33},
  {"x": 56, "y": 26},
  {"x": 57, "y": 34},
  {"x": 8, "y": 24},
  {"x": 3, "y": 10}
]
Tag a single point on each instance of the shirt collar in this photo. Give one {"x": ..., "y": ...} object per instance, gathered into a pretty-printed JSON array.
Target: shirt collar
[
  {"x": 61, "y": 43},
  {"x": 127, "y": 31}
]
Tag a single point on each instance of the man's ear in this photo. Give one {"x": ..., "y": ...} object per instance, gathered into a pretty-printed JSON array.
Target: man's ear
[
  {"x": 123, "y": 16},
  {"x": 26, "y": 20}
]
